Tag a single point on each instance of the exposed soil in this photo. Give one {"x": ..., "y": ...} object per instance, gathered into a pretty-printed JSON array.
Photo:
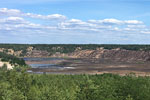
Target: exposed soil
[
  {"x": 95, "y": 66},
  {"x": 46, "y": 62}
]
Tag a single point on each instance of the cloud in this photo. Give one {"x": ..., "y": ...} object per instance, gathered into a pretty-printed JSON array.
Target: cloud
[
  {"x": 15, "y": 12},
  {"x": 146, "y": 32},
  {"x": 79, "y": 24},
  {"x": 12, "y": 20},
  {"x": 136, "y": 26},
  {"x": 10, "y": 12},
  {"x": 18, "y": 24},
  {"x": 48, "y": 17},
  {"x": 115, "y": 21},
  {"x": 133, "y": 22},
  {"x": 73, "y": 24}
]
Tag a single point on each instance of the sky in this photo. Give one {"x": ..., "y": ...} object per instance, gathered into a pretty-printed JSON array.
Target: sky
[{"x": 75, "y": 21}]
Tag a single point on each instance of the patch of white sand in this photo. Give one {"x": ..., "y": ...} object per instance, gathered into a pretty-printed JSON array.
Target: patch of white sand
[{"x": 9, "y": 66}]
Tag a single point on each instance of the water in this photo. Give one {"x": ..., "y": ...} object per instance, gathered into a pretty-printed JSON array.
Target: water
[
  {"x": 40, "y": 66},
  {"x": 34, "y": 65},
  {"x": 41, "y": 59}
]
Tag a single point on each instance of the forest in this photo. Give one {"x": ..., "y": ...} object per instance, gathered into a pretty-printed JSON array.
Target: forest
[
  {"x": 68, "y": 48},
  {"x": 20, "y": 85}
]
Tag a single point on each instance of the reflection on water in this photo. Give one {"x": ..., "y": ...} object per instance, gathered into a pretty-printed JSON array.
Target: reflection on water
[
  {"x": 40, "y": 65},
  {"x": 44, "y": 66},
  {"x": 66, "y": 73},
  {"x": 42, "y": 59}
]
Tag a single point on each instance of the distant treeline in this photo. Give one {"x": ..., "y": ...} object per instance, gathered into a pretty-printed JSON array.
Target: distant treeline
[
  {"x": 12, "y": 59},
  {"x": 23, "y": 86},
  {"x": 67, "y": 48}
]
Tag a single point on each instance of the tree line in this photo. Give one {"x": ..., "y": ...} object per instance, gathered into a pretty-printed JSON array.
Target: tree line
[
  {"x": 68, "y": 48},
  {"x": 21, "y": 85}
]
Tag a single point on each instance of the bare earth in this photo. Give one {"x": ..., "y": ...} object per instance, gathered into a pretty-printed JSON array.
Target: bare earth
[
  {"x": 94, "y": 66},
  {"x": 9, "y": 66}
]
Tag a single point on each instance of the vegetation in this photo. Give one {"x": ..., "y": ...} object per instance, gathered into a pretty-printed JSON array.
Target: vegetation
[
  {"x": 12, "y": 59},
  {"x": 68, "y": 48},
  {"x": 17, "y": 84},
  {"x": 24, "y": 86}
]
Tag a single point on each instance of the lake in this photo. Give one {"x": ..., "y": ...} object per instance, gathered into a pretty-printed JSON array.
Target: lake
[
  {"x": 40, "y": 65},
  {"x": 43, "y": 62}
]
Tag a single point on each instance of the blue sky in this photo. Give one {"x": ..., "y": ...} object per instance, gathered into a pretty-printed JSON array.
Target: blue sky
[{"x": 75, "y": 21}]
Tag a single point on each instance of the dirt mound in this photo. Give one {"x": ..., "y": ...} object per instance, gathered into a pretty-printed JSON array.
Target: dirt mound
[
  {"x": 114, "y": 54},
  {"x": 37, "y": 53}
]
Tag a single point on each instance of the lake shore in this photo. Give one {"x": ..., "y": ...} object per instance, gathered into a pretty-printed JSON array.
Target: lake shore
[{"x": 92, "y": 66}]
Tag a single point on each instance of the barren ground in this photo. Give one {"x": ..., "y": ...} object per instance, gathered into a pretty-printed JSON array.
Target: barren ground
[{"x": 94, "y": 66}]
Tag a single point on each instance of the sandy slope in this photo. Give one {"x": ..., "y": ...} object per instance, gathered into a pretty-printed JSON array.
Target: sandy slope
[{"x": 9, "y": 66}]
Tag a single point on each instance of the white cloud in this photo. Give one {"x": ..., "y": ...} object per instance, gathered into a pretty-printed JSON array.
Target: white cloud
[
  {"x": 18, "y": 13},
  {"x": 72, "y": 24},
  {"x": 136, "y": 26},
  {"x": 15, "y": 19},
  {"x": 81, "y": 25},
  {"x": 115, "y": 21},
  {"x": 110, "y": 21},
  {"x": 105, "y": 21},
  {"x": 146, "y": 32},
  {"x": 48, "y": 17},
  {"x": 133, "y": 22},
  {"x": 11, "y": 21},
  {"x": 9, "y": 12},
  {"x": 18, "y": 23}
]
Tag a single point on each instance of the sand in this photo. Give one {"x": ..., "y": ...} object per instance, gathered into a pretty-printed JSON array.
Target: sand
[{"x": 9, "y": 66}]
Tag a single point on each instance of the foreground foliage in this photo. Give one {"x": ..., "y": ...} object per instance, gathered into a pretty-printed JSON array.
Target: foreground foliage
[{"x": 24, "y": 86}]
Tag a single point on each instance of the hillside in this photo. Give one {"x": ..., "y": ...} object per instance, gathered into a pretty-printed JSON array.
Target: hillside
[
  {"x": 114, "y": 52},
  {"x": 10, "y": 61}
]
